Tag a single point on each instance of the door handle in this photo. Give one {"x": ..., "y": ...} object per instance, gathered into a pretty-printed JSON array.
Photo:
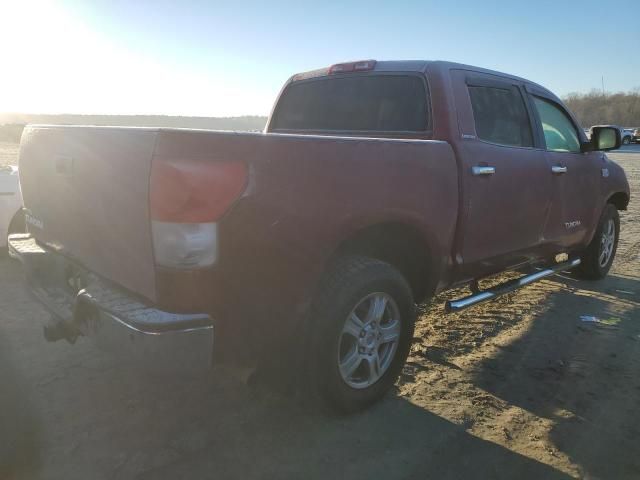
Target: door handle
[
  {"x": 559, "y": 169},
  {"x": 479, "y": 170}
]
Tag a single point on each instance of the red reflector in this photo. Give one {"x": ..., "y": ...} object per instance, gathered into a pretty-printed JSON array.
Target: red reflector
[
  {"x": 360, "y": 66},
  {"x": 194, "y": 191}
]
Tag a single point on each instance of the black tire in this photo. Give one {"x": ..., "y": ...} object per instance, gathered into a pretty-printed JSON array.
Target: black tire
[
  {"x": 350, "y": 280},
  {"x": 590, "y": 267},
  {"x": 626, "y": 141},
  {"x": 17, "y": 224}
]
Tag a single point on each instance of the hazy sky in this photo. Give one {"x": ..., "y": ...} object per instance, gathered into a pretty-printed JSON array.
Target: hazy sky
[{"x": 215, "y": 58}]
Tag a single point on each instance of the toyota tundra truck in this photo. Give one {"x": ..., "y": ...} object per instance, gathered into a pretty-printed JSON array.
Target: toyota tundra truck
[{"x": 374, "y": 186}]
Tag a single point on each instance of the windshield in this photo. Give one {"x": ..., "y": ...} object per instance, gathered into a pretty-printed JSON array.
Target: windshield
[{"x": 371, "y": 103}]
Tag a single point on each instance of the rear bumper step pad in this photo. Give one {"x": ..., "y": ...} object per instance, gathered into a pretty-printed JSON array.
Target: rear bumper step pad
[{"x": 115, "y": 319}]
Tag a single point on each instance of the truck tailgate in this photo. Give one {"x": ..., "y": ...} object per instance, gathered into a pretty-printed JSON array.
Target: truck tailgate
[{"x": 86, "y": 191}]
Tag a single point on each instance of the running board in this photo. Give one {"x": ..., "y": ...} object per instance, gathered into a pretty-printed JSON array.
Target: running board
[{"x": 510, "y": 286}]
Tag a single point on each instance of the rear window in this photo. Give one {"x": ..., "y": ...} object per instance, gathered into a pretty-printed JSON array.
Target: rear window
[
  {"x": 359, "y": 103},
  {"x": 500, "y": 116}
]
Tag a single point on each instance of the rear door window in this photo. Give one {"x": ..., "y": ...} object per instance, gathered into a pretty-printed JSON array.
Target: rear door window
[
  {"x": 500, "y": 115},
  {"x": 358, "y": 103}
]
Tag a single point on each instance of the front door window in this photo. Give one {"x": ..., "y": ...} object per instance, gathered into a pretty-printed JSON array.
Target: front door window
[{"x": 560, "y": 134}]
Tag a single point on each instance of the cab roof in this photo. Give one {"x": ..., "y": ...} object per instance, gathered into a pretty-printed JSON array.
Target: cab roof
[{"x": 419, "y": 66}]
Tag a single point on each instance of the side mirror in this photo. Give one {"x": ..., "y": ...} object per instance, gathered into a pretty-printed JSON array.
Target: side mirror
[{"x": 604, "y": 139}]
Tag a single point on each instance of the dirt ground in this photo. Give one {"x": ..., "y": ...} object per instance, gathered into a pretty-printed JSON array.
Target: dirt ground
[{"x": 519, "y": 388}]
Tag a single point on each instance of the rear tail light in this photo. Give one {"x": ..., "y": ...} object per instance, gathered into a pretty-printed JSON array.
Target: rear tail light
[
  {"x": 184, "y": 245},
  {"x": 359, "y": 66},
  {"x": 187, "y": 198}
]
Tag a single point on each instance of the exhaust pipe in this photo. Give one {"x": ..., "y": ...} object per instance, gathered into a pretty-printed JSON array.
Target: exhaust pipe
[{"x": 510, "y": 286}]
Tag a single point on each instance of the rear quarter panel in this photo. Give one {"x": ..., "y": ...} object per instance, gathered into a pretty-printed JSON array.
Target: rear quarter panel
[{"x": 306, "y": 195}]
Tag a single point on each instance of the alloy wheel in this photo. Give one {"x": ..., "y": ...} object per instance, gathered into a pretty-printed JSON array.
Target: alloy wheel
[
  {"x": 607, "y": 242},
  {"x": 369, "y": 340}
]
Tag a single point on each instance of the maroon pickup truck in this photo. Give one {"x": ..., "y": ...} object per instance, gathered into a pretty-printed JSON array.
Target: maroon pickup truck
[{"x": 375, "y": 186}]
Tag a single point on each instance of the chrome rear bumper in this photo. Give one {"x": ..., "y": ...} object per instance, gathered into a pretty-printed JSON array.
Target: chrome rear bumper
[{"x": 83, "y": 304}]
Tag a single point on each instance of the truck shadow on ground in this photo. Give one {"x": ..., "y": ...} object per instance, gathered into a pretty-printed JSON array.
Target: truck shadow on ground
[
  {"x": 19, "y": 425},
  {"x": 581, "y": 375},
  {"x": 128, "y": 425},
  {"x": 393, "y": 440}
]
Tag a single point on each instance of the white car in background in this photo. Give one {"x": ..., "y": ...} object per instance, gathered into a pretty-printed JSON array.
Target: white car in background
[{"x": 11, "y": 217}]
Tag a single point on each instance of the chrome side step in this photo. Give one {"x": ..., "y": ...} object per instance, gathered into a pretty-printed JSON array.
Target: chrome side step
[{"x": 510, "y": 286}]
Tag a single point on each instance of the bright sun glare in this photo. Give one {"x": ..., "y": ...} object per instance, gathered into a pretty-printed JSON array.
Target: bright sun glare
[{"x": 58, "y": 64}]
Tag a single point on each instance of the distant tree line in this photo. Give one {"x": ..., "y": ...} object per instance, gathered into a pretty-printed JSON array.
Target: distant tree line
[{"x": 594, "y": 108}]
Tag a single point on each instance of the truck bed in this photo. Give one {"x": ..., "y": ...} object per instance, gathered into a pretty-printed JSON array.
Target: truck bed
[{"x": 86, "y": 191}]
